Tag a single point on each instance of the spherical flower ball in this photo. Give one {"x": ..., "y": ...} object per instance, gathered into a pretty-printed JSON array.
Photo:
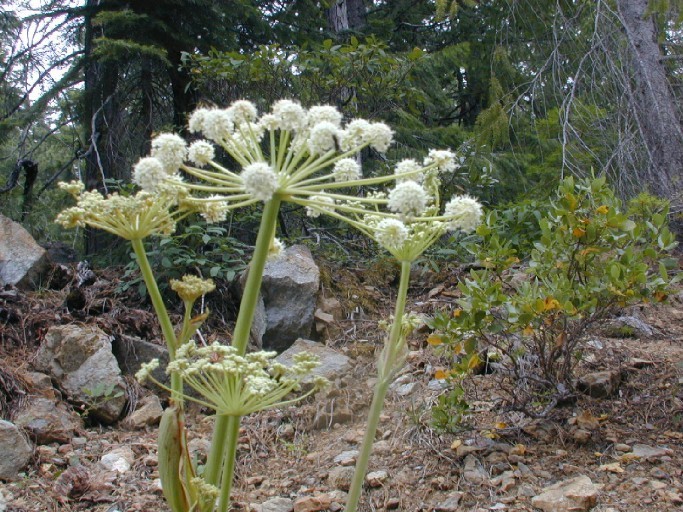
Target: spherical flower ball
[
  {"x": 346, "y": 169},
  {"x": 196, "y": 121},
  {"x": 149, "y": 174},
  {"x": 354, "y": 134},
  {"x": 200, "y": 153},
  {"x": 465, "y": 213},
  {"x": 380, "y": 136},
  {"x": 217, "y": 125},
  {"x": 408, "y": 170},
  {"x": 170, "y": 149},
  {"x": 215, "y": 210},
  {"x": 242, "y": 111},
  {"x": 325, "y": 113},
  {"x": 322, "y": 138},
  {"x": 391, "y": 233},
  {"x": 269, "y": 122},
  {"x": 260, "y": 181},
  {"x": 408, "y": 198},
  {"x": 291, "y": 116},
  {"x": 443, "y": 159},
  {"x": 276, "y": 248},
  {"x": 314, "y": 211}
]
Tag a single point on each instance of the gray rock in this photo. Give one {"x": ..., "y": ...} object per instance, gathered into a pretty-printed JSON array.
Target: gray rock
[
  {"x": 48, "y": 422},
  {"x": 450, "y": 504},
  {"x": 80, "y": 360},
  {"x": 376, "y": 478},
  {"x": 640, "y": 328},
  {"x": 290, "y": 289},
  {"x": 577, "y": 494},
  {"x": 22, "y": 260},
  {"x": 648, "y": 453},
  {"x": 119, "y": 460},
  {"x": 600, "y": 384},
  {"x": 131, "y": 352},
  {"x": 341, "y": 477},
  {"x": 278, "y": 504},
  {"x": 474, "y": 472},
  {"x": 333, "y": 364},
  {"x": 148, "y": 413},
  {"x": 347, "y": 458},
  {"x": 15, "y": 449}
]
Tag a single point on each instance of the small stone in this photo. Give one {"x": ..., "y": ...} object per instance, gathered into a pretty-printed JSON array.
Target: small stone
[
  {"x": 392, "y": 504},
  {"x": 577, "y": 494},
  {"x": 347, "y": 458},
  {"x": 340, "y": 477},
  {"x": 623, "y": 448},
  {"x": 312, "y": 503},
  {"x": 148, "y": 413},
  {"x": 657, "y": 485},
  {"x": 450, "y": 504},
  {"x": 649, "y": 453},
  {"x": 474, "y": 472},
  {"x": 376, "y": 478},
  {"x": 505, "y": 481},
  {"x": 406, "y": 389},
  {"x": 278, "y": 504},
  {"x": 119, "y": 460},
  {"x": 581, "y": 436},
  {"x": 15, "y": 449},
  {"x": 600, "y": 384},
  {"x": 437, "y": 384},
  {"x": 381, "y": 447}
]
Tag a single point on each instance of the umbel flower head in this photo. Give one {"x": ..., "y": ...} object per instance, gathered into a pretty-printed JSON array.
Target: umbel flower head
[
  {"x": 130, "y": 217},
  {"x": 236, "y": 385}
]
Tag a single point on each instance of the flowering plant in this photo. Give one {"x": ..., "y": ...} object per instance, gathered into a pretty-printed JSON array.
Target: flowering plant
[{"x": 307, "y": 157}]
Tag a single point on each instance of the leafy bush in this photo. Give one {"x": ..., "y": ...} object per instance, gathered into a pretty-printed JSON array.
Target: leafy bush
[
  {"x": 206, "y": 249},
  {"x": 588, "y": 260}
]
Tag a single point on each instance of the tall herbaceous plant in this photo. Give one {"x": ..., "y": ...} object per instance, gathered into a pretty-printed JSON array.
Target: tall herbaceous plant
[{"x": 290, "y": 154}]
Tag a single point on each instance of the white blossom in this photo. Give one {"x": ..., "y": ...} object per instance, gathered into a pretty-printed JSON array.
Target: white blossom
[
  {"x": 355, "y": 134},
  {"x": 408, "y": 198},
  {"x": 444, "y": 160},
  {"x": 315, "y": 210},
  {"x": 201, "y": 153},
  {"x": 242, "y": 111},
  {"x": 290, "y": 115},
  {"x": 410, "y": 168},
  {"x": 196, "y": 121},
  {"x": 324, "y": 113},
  {"x": 149, "y": 174},
  {"x": 260, "y": 181},
  {"x": 346, "y": 169},
  {"x": 322, "y": 138},
  {"x": 379, "y": 136},
  {"x": 217, "y": 125},
  {"x": 465, "y": 213},
  {"x": 391, "y": 233},
  {"x": 170, "y": 150}
]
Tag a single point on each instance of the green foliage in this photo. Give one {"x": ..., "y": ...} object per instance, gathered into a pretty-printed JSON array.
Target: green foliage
[
  {"x": 588, "y": 260},
  {"x": 100, "y": 395},
  {"x": 207, "y": 250}
]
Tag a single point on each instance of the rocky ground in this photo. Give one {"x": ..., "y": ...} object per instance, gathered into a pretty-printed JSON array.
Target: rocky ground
[{"x": 620, "y": 453}]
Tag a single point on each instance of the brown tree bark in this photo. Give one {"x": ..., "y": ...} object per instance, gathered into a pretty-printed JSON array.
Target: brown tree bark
[{"x": 657, "y": 114}]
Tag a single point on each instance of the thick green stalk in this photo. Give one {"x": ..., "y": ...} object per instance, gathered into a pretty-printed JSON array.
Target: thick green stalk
[
  {"x": 161, "y": 312},
  {"x": 385, "y": 375},
  {"x": 220, "y": 449}
]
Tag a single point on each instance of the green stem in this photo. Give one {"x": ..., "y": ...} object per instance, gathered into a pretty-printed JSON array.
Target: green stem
[
  {"x": 233, "y": 431},
  {"x": 385, "y": 376},
  {"x": 222, "y": 450},
  {"x": 161, "y": 312}
]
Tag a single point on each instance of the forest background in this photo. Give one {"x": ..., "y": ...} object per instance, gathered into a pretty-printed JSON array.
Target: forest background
[{"x": 526, "y": 92}]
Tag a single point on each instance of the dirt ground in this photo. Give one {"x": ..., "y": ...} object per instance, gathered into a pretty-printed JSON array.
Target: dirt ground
[{"x": 497, "y": 461}]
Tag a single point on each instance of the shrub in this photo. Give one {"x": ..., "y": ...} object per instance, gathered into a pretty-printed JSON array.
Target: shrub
[{"x": 589, "y": 260}]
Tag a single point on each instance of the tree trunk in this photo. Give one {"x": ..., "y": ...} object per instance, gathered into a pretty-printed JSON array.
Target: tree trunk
[
  {"x": 345, "y": 15},
  {"x": 657, "y": 115}
]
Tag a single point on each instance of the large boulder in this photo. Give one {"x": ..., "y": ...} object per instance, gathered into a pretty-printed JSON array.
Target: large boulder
[
  {"x": 15, "y": 449},
  {"x": 290, "y": 290},
  {"x": 131, "y": 352},
  {"x": 22, "y": 260},
  {"x": 80, "y": 360},
  {"x": 47, "y": 421}
]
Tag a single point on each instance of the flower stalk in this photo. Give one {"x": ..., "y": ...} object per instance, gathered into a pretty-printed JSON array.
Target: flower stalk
[{"x": 388, "y": 364}]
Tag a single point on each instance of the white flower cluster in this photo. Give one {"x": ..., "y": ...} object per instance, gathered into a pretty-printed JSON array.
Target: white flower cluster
[
  {"x": 408, "y": 198},
  {"x": 234, "y": 384},
  {"x": 464, "y": 213},
  {"x": 319, "y": 204}
]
